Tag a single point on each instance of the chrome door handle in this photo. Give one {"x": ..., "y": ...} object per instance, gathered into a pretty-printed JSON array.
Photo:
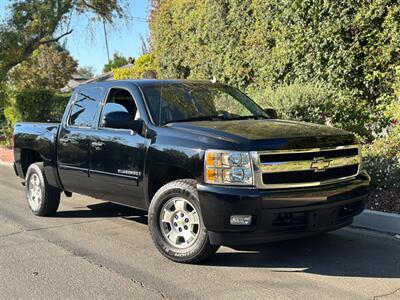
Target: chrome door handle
[
  {"x": 97, "y": 145},
  {"x": 64, "y": 141}
]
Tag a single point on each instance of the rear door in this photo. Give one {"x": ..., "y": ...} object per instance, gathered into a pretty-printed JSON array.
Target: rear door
[{"x": 75, "y": 140}]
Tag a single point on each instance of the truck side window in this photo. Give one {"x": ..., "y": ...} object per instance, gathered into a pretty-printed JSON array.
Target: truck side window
[
  {"x": 123, "y": 98},
  {"x": 85, "y": 107}
]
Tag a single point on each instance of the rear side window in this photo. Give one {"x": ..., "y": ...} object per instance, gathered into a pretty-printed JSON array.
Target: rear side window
[{"x": 85, "y": 107}]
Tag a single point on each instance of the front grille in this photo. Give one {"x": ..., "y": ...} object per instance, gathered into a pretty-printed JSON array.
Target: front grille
[
  {"x": 305, "y": 167},
  {"x": 268, "y": 158},
  {"x": 309, "y": 175}
]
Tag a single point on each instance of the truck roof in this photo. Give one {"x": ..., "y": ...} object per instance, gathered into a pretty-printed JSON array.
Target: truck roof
[{"x": 140, "y": 82}]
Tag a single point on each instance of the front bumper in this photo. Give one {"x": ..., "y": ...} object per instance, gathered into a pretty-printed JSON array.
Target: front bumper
[{"x": 280, "y": 214}]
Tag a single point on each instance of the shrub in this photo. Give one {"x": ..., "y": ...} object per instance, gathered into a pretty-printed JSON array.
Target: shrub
[
  {"x": 382, "y": 160},
  {"x": 144, "y": 67},
  {"x": 36, "y": 105},
  {"x": 311, "y": 102},
  {"x": 316, "y": 102}
]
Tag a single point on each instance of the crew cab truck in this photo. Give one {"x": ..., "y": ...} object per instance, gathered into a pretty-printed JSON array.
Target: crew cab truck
[{"x": 208, "y": 164}]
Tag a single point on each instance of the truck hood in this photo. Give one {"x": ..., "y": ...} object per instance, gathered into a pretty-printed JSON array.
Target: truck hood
[{"x": 269, "y": 134}]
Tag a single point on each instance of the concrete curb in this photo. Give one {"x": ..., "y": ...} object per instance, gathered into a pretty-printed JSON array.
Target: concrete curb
[{"x": 378, "y": 221}]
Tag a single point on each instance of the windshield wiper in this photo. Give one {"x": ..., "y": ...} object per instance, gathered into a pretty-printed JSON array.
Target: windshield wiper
[
  {"x": 201, "y": 118},
  {"x": 257, "y": 117}
]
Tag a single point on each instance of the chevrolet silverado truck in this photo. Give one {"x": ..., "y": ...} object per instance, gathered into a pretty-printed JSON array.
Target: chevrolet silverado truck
[{"x": 208, "y": 164}]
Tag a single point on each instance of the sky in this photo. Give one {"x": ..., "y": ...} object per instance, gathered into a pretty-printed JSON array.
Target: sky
[{"x": 87, "y": 44}]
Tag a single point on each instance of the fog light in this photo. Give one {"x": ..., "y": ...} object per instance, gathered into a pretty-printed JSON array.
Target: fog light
[{"x": 241, "y": 220}]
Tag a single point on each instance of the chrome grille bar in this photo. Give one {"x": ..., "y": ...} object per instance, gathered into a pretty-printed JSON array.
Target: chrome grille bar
[
  {"x": 315, "y": 163},
  {"x": 304, "y": 165}
]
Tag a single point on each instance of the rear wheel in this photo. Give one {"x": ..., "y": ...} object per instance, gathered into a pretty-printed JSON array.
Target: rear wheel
[
  {"x": 176, "y": 224},
  {"x": 43, "y": 199}
]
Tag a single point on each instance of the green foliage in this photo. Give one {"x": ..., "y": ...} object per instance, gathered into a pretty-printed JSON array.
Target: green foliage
[
  {"x": 144, "y": 67},
  {"x": 32, "y": 23},
  {"x": 353, "y": 47},
  {"x": 48, "y": 67},
  {"x": 115, "y": 62},
  {"x": 36, "y": 105},
  {"x": 85, "y": 71},
  {"x": 311, "y": 102},
  {"x": 382, "y": 161}
]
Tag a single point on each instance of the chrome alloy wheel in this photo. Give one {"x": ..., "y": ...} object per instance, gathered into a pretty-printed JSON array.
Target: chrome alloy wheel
[
  {"x": 34, "y": 192},
  {"x": 179, "y": 222}
]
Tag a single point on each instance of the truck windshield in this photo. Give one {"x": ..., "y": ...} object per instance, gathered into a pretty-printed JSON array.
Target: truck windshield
[{"x": 190, "y": 101}]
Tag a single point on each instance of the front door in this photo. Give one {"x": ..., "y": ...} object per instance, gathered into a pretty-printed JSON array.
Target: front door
[{"x": 117, "y": 157}]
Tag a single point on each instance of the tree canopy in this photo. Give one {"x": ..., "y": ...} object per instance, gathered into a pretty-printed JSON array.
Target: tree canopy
[
  {"x": 32, "y": 23},
  {"x": 48, "y": 67},
  {"x": 115, "y": 62}
]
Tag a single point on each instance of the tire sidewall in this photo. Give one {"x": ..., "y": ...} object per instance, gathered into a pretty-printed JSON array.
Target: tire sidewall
[
  {"x": 36, "y": 169},
  {"x": 174, "y": 253}
]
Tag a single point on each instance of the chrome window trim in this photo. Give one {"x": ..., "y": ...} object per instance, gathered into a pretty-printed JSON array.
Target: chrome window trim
[{"x": 260, "y": 168}]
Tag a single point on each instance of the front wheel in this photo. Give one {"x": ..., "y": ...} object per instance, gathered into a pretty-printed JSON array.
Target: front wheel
[{"x": 176, "y": 224}]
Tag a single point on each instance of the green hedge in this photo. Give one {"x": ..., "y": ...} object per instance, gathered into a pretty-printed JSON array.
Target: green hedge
[
  {"x": 271, "y": 47},
  {"x": 36, "y": 105},
  {"x": 382, "y": 161}
]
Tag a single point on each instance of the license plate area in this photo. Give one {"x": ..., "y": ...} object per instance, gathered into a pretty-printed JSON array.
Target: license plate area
[{"x": 322, "y": 219}]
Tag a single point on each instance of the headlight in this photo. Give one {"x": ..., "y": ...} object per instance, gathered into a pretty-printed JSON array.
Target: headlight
[{"x": 228, "y": 167}]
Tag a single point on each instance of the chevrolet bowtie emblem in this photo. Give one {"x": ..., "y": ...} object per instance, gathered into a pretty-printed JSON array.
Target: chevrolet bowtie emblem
[{"x": 320, "y": 164}]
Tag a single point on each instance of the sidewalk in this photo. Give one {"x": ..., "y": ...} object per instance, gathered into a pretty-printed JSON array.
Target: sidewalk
[{"x": 6, "y": 155}]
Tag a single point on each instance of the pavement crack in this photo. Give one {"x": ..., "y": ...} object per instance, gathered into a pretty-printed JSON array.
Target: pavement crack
[
  {"x": 46, "y": 228},
  {"x": 94, "y": 263},
  {"x": 386, "y": 295}
]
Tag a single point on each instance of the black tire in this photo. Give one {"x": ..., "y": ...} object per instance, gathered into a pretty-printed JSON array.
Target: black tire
[
  {"x": 49, "y": 197},
  {"x": 201, "y": 248}
]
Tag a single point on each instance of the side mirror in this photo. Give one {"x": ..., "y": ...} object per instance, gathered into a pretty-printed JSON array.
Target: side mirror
[
  {"x": 116, "y": 116},
  {"x": 271, "y": 112}
]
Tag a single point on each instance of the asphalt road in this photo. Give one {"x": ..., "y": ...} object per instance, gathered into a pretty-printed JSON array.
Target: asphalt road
[{"x": 96, "y": 250}]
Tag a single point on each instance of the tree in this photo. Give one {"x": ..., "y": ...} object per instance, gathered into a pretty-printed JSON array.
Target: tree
[
  {"x": 32, "y": 23},
  {"x": 48, "y": 67},
  {"x": 117, "y": 61},
  {"x": 85, "y": 71}
]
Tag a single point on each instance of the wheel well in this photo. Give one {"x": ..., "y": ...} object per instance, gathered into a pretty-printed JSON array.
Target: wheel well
[
  {"x": 161, "y": 175},
  {"x": 29, "y": 157}
]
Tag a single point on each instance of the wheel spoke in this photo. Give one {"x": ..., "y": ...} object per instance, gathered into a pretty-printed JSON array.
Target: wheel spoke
[
  {"x": 194, "y": 218},
  {"x": 168, "y": 215},
  {"x": 188, "y": 236},
  {"x": 173, "y": 236},
  {"x": 179, "y": 205}
]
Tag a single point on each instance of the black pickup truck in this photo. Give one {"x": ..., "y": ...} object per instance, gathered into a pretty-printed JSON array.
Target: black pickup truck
[{"x": 208, "y": 164}]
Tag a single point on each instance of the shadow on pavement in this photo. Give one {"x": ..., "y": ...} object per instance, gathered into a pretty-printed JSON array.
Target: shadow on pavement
[
  {"x": 340, "y": 253},
  {"x": 106, "y": 210}
]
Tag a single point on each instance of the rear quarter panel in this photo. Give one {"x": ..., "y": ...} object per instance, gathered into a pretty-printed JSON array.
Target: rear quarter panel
[{"x": 41, "y": 138}]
